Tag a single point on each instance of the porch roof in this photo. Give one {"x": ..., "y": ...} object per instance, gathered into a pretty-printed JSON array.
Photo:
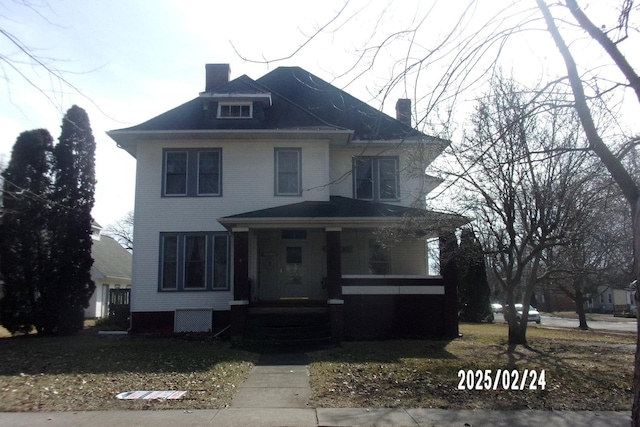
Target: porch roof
[{"x": 343, "y": 211}]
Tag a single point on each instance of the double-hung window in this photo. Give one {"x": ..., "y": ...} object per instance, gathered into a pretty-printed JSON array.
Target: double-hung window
[
  {"x": 175, "y": 173},
  {"x": 192, "y": 172},
  {"x": 288, "y": 181},
  {"x": 194, "y": 261},
  {"x": 376, "y": 178}
]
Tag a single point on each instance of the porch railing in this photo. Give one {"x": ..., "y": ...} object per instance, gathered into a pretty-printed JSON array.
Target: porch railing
[{"x": 392, "y": 285}]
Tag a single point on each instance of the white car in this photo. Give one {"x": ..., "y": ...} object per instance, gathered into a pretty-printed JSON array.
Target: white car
[
  {"x": 496, "y": 308},
  {"x": 534, "y": 315}
]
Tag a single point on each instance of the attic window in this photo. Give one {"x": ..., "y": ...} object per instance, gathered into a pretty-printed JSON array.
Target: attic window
[{"x": 235, "y": 110}]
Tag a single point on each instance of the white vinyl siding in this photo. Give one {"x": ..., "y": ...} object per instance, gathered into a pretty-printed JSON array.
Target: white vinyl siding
[{"x": 248, "y": 186}]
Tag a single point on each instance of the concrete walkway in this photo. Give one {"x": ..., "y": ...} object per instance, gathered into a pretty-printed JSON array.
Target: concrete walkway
[{"x": 277, "y": 394}]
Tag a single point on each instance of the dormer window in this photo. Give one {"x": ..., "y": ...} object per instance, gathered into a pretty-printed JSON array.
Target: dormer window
[{"x": 235, "y": 110}]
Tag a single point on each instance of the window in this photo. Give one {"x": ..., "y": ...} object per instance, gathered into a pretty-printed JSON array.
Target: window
[
  {"x": 287, "y": 170},
  {"x": 235, "y": 110},
  {"x": 375, "y": 178},
  {"x": 192, "y": 172},
  {"x": 194, "y": 261},
  {"x": 378, "y": 259},
  {"x": 209, "y": 173},
  {"x": 175, "y": 182},
  {"x": 293, "y": 234},
  {"x": 169, "y": 275}
]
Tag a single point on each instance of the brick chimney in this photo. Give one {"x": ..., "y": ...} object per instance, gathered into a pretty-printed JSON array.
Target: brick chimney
[
  {"x": 403, "y": 111},
  {"x": 216, "y": 76}
]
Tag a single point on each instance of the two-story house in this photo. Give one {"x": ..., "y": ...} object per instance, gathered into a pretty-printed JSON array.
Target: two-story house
[{"x": 283, "y": 195}]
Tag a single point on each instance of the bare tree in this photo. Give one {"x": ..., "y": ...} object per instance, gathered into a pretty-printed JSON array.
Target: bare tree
[
  {"x": 438, "y": 69},
  {"x": 598, "y": 253},
  {"x": 21, "y": 61},
  {"x": 623, "y": 178},
  {"x": 122, "y": 231},
  {"x": 520, "y": 189}
]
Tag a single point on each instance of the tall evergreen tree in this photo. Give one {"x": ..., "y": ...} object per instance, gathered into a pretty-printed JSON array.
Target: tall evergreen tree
[
  {"x": 24, "y": 236},
  {"x": 474, "y": 291},
  {"x": 74, "y": 186}
]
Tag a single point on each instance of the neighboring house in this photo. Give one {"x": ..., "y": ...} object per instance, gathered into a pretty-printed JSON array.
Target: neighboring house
[
  {"x": 111, "y": 273},
  {"x": 271, "y": 196},
  {"x": 609, "y": 298}
]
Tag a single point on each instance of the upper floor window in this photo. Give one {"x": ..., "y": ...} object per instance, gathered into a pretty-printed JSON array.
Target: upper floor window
[
  {"x": 194, "y": 261},
  {"x": 235, "y": 110},
  {"x": 288, "y": 180},
  {"x": 192, "y": 172},
  {"x": 376, "y": 178}
]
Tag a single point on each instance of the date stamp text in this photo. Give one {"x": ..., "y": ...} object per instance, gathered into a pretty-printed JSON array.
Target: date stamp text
[{"x": 502, "y": 379}]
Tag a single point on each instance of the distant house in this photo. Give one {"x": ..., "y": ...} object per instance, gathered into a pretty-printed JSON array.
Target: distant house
[
  {"x": 111, "y": 271},
  {"x": 270, "y": 198}
]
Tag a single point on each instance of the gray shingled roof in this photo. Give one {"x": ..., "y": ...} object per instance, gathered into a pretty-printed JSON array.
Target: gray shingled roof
[
  {"x": 343, "y": 207},
  {"x": 299, "y": 100},
  {"x": 110, "y": 259}
]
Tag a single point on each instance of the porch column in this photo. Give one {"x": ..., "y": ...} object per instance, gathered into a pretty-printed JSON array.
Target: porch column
[
  {"x": 241, "y": 286},
  {"x": 449, "y": 273},
  {"x": 334, "y": 282}
]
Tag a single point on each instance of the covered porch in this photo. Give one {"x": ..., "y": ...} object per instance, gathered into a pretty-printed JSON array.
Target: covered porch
[{"x": 330, "y": 259}]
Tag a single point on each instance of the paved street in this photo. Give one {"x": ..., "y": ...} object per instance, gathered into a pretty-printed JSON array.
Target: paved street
[{"x": 626, "y": 325}]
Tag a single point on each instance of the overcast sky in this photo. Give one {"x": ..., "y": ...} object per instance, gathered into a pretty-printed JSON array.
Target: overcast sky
[{"x": 134, "y": 59}]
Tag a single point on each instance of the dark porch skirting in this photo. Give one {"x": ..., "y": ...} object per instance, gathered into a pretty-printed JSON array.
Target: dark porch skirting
[
  {"x": 396, "y": 307},
  {"x": 380, "y": 317}
]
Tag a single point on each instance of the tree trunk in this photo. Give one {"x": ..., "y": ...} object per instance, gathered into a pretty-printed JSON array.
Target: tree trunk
[
  {"x": 635, "y": 227},
  {"x": 517, "y": 332},
  {"x": 582, "y": 316},
  {"x": 622, "y": 177}
]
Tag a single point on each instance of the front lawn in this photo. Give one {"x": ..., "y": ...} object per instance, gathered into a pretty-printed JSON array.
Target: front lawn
[
  {"x": 583, "y": 371},
  {"x": 87, "y": 371}
]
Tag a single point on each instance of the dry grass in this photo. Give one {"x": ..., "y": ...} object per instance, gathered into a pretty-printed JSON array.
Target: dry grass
[
  {"x": 584, "y": 371},
  {"x": 86, "y": 372}
]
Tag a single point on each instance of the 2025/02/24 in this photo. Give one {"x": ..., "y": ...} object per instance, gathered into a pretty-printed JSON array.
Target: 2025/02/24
[{"x": 502, "y": 379}]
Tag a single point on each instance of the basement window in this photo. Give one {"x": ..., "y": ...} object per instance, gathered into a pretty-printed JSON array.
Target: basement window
[{"x": 235, "y": 110}]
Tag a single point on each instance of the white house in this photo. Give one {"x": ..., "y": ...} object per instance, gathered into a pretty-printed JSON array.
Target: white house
[
  {"x": 285, "y": 195},
  {"x": 111, "y": 271}
]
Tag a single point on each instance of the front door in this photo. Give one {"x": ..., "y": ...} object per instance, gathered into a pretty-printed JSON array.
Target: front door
[{"x": 294, "y": 271}]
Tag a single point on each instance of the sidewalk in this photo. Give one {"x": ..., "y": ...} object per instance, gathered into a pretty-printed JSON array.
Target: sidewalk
[{"x": 276, "y": 394}]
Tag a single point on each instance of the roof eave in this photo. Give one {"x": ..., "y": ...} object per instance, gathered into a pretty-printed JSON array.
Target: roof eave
[
  {"x": 127, "y": 139},
  {"x": 319, "y": 222}
]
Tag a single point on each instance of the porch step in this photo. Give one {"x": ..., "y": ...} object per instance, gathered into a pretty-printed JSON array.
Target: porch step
[{"x": 288, "y": 327}]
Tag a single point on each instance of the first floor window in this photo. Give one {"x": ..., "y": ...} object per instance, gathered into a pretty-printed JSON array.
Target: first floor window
[
  {"x": 194, "y": 261},
  {"x": 169, "y": 249},
  {"x": 378, "y": 259}
]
